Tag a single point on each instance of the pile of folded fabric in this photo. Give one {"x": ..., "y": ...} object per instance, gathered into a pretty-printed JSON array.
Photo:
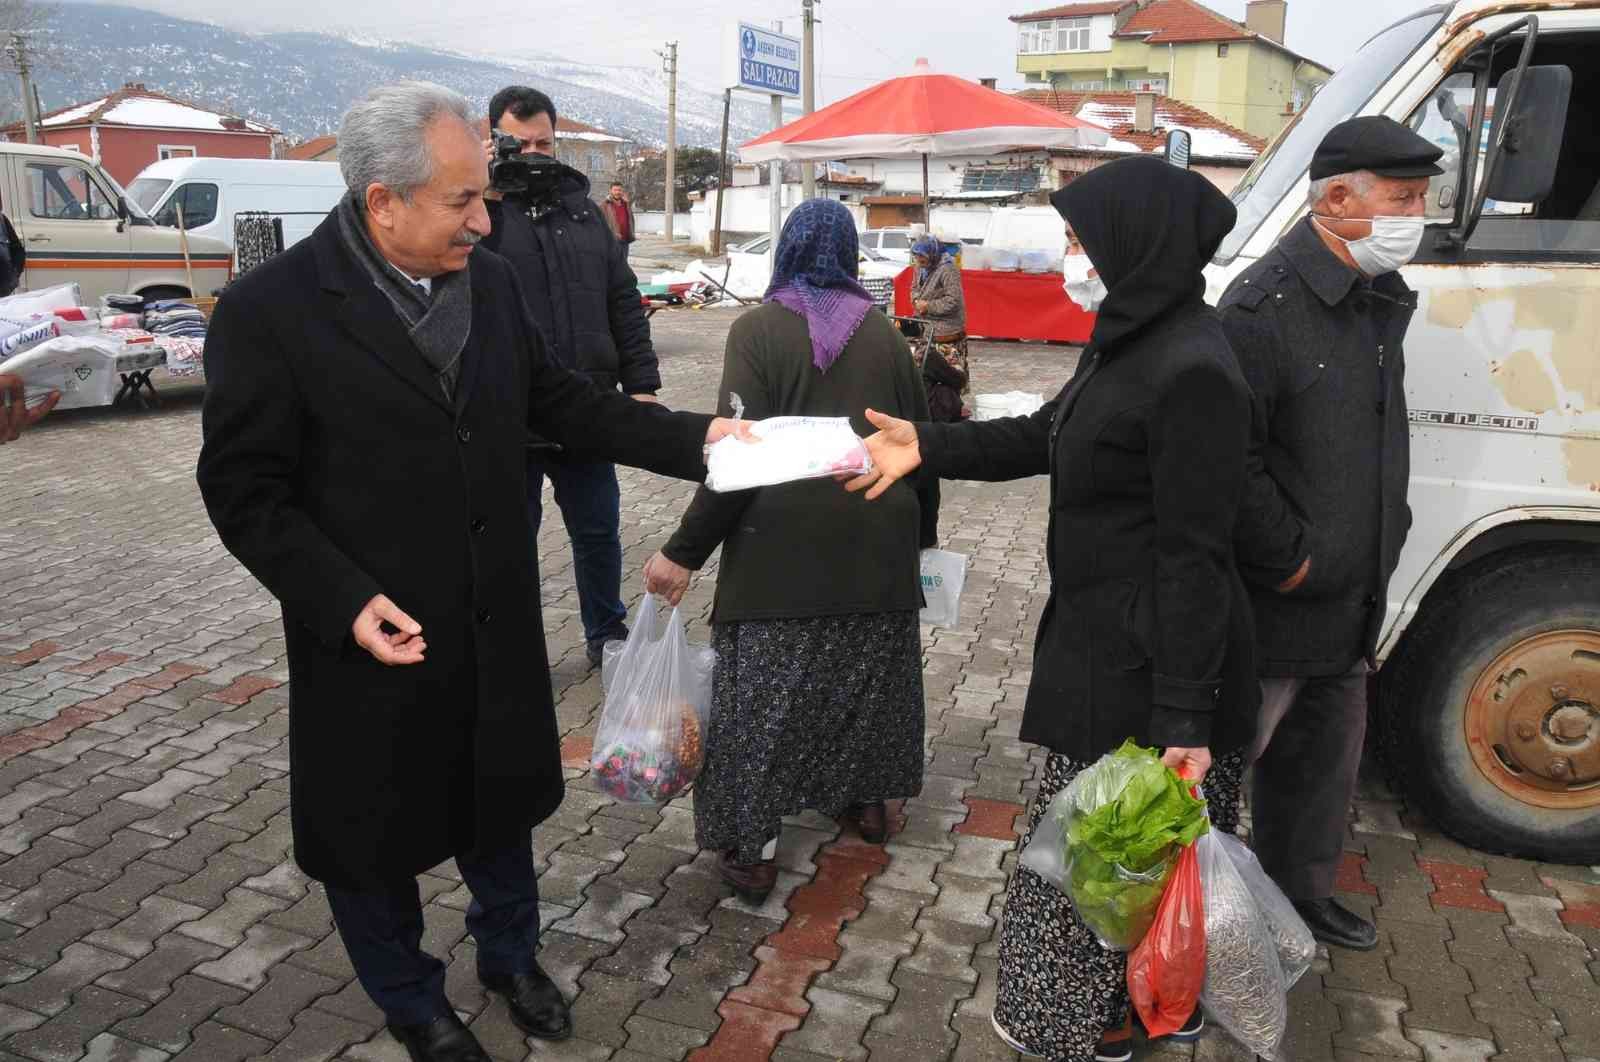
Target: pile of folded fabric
[
  {"x": 122, "y": 303},
  {"x": 174, "y": 317}
]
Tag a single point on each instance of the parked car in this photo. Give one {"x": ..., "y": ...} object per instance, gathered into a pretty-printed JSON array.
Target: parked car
[
  {"x": 892, "y": 244},
  {"x": 876, "y": 272},
  {"x": 79, "y": 225},
  {"x": 212, "y": 192}
]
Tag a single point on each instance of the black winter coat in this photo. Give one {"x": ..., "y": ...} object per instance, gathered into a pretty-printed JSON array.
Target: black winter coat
[
  {"x": 335, "y": 470},
  {"x": 580, "y": 288},
  {"x": 1330, "y": 464},
  {"x": 1147, "y": 631}
]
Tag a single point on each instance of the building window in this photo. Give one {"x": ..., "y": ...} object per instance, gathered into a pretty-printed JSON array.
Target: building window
[
  {"x": 1088, "y": 86},
  {"x": 597, "y": 161},
  {"x": 174, "y": 151},
  {"x": 1222, "y": 51},
  {"x": 1148, "y": 84},
  {"x": 1054, "y": 35}
]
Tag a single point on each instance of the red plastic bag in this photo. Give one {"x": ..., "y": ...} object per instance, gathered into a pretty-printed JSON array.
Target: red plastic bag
[{"x": 1168, "y": 969}]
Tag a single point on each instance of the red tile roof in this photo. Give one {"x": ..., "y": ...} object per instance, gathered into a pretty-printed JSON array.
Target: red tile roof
[
  {"x": 136, "y": 91},
  {"x": 1168, "y": 111},
  {"x": 1182, "y": 22},
  {"x": 313, "y": 147},
  {"x": 1075, "y": 11}
]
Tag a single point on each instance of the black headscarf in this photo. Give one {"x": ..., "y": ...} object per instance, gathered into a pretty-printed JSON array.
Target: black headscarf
[{"x": 1149, "y": 227}]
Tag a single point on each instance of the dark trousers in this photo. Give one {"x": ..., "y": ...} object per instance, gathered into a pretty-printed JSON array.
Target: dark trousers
[
  {"x": 382, "y": 931},
  {"x": 1306, "y": 758},
  {"x": 590, "y": 504}
]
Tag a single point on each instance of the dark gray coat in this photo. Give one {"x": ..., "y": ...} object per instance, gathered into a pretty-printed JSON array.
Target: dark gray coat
[
  {"x": 335, "y": 470},
  {"x": 1330, "y": 459}
]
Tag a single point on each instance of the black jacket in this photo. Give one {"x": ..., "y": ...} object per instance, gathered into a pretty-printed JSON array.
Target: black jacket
[
  {"x": 1330, "y": 463},
  {"x": 1147, "y": 633},
  {"x": 334, "y": 469},
  {"x": 580, "y": 289}
]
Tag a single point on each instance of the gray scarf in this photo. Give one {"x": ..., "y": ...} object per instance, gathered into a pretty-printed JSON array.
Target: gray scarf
[{"x": 438, "y": 326}]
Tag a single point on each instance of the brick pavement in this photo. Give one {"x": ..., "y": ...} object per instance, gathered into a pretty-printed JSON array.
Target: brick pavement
[{"x": 149, "y": 910}]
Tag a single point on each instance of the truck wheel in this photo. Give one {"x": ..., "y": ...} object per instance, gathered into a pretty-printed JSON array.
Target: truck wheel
[{"x": 1491, "y": 713}]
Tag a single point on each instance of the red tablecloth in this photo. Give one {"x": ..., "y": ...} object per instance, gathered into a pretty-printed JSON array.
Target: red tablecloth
[{"x": 1012, "y": 306}]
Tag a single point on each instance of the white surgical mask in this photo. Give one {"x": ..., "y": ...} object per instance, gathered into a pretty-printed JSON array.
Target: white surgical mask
[
  {"x": 1088, "y": 292},
  {"x": 1393, "y": 243}
]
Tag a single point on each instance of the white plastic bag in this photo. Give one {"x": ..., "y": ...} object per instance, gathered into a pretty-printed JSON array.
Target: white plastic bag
[
  {"x": 651, "y": 740},
  {"x": 1247, "y": 987},
  {"x": 1006, "y": 404},
  {"x": 791, "y": 449},
  {"x": 85, "y": 369},
  {"x": 943, "y": 575},
  {"x": 44, "y": 300}
]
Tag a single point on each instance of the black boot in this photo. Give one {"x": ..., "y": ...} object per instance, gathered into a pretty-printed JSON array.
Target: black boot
[
  {"x": 1339, "y": 926},
  {"x": 444, "y": 1039},
  {"x": 535, "y": 1002}
]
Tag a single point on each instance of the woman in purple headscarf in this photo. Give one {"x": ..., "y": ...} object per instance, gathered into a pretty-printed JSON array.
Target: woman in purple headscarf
[{"x": 817, "y": 700}]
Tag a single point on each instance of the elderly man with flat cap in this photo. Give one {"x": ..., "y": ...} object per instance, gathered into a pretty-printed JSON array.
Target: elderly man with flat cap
[{"x": 1317, "y": 325}]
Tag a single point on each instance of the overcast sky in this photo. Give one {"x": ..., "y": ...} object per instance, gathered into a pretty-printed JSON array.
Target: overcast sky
[{"x": 860, "y": 41}]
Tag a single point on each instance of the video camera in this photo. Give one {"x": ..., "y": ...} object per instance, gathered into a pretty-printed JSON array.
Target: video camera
[{"x": 533, "y": 179}]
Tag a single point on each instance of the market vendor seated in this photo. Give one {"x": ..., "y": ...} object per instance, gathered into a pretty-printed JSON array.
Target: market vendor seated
[{"x": 937, "y": 299}]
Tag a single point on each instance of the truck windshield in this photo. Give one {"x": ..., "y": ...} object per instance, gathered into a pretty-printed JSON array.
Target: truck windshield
[
  {"x": 1289, "y": 155},
  {"x": 146, "y": 191}
]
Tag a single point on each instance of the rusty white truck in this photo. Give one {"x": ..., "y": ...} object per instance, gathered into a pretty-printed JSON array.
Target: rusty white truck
[{"x": 1488, "y": 705}]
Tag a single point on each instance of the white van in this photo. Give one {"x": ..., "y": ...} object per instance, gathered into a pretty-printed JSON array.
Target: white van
[
  {"x": 1489, "y": 694},
  {"x": 212, "y": 192},
  {"x": 79, "y": 226}
]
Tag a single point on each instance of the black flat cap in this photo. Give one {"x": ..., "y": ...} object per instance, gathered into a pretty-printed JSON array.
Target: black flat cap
[{"x": 1381, "y": 145}]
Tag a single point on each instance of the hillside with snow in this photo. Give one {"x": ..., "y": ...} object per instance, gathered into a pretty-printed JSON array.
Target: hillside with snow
[{"x": 301, "y": 83}]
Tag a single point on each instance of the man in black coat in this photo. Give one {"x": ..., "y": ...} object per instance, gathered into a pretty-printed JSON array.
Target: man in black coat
[
  {"x": 584, "y": 297},
  {"x": 369, "y": 395},
  {"x": 1317, "y": 325}
]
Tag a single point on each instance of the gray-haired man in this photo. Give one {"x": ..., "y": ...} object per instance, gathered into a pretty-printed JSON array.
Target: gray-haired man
[
  {"x": 1317, "y": 325},
  {"x": 369, "y": 395}
]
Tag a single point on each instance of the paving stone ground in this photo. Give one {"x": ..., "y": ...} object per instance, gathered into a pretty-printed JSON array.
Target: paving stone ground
[{"x": 149, "y": 909}]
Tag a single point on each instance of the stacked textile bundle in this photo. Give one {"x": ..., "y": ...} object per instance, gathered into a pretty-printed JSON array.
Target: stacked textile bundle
[{"x": 174, "y": 317}]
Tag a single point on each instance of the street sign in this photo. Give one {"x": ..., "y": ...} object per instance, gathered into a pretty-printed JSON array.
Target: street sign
[{"x": 759, "y": 60}]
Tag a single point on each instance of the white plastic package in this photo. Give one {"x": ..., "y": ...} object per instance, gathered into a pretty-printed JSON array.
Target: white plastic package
[
  {"x": 791, "y": 449},
  {"x": 44, "y": 300},
  {"x": 85, "y": 369},
  {"x": 650, "y": 744},
  {"x": 943, "y": 575},
  {"x": 1253, "y": 958},
  {"x": 18, "y": 335}
]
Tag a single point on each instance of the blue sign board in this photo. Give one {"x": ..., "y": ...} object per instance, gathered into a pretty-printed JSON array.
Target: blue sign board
[{"x": 767, "y": 62}]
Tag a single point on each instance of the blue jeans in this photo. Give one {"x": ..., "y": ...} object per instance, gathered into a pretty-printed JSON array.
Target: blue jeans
[
  {"x": 382, "y": 931},
  {"x": 590, "y": 504}
]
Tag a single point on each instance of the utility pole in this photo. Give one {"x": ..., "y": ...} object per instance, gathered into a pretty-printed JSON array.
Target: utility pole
[
  {"x": 17, "y": 49},
  {"x": 808, "y": 87},
  {"x": 670, "y": 64},
  {"x": 722, "y": 174}
]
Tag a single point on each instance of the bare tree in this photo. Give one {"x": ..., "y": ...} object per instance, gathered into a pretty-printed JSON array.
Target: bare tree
[{"x": 35, "y": 23}]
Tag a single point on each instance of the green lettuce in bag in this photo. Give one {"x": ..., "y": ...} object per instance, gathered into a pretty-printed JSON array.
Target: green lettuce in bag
[{"x": 1110, "y": 838}]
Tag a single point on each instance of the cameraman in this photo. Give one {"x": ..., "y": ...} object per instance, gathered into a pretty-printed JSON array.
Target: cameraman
[{"x": 586, "y": 300}]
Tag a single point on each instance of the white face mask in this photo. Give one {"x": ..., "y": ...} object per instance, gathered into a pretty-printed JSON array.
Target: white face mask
[
  {"x": 1393, "y": 243},
  {"x": 1088, "y": 292}
]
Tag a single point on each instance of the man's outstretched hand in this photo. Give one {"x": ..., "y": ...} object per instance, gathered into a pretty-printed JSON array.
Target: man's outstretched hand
[
  {"x": 895, "y": 452},
  {"x": 15, "y": 416},
  {"x": 404, "y": 646}
]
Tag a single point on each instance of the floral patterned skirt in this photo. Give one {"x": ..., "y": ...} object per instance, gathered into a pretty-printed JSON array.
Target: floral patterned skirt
[
  {"x": 1059, "y": 990},
  {"x": 813, "y": 714}
]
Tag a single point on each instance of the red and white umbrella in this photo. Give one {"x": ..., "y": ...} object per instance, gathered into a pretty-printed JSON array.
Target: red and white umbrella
[{"x": 922, "y": 114}]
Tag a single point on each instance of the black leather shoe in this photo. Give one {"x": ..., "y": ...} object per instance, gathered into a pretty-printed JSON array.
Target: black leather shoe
[
  {"x": 444, "y": 1039},
  {"x": 535, "y": 1002},
  {"x": 1336, "y": 925}
]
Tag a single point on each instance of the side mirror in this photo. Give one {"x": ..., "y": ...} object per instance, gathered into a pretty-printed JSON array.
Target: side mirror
[
  {"x": 122, "y": 208},
  {"x": 1525, "y": 139},
  {"x": 1179, "y": 144}
]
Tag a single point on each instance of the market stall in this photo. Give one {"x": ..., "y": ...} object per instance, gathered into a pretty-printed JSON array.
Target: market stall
[{"x": 1011, "y": 305}]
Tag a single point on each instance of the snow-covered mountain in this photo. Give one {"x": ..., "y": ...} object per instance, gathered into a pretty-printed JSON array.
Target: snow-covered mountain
[{"x": 302, "y": 83}]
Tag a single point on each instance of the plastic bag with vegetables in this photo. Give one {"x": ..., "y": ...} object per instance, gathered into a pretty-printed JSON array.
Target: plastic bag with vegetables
[{"x": 1110, "y": 838}]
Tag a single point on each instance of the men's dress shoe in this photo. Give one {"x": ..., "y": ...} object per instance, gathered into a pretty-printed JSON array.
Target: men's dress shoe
[
  {"x": 753, "y": 883},
  {"x": 1333, "y": 924},
  {"x": 535, "y": 1002},
  {"x": 872, "y": 820},
  {"x": 444, "y": 1039}
]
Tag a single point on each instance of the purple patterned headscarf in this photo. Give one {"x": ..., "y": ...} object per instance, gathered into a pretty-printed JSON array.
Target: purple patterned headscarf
[{"x": 814, "y": 275}]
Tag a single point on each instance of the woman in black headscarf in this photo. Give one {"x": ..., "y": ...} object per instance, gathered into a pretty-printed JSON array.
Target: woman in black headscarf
[{"x": 1147, "y": 631}]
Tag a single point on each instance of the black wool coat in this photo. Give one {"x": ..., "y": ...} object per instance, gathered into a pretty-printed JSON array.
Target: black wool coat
[
  {"x": 1147, "y": 632},
  {"x": 335, "y": 469}
]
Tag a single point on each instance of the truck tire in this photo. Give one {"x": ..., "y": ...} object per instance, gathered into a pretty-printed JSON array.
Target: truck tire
[{"x": 1490, "y": 713}]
